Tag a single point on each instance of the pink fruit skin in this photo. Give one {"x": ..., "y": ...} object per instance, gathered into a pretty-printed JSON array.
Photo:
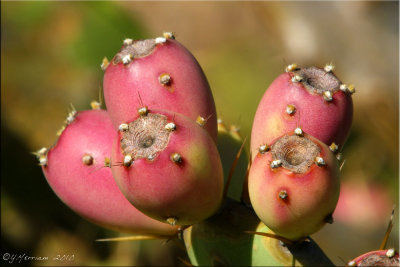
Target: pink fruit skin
[
  {"x": 189, "y": 92},
  {"x": 326, "y": 121},
  {"x": 363, "y": 204},
  {"x": 91, "y": 190},
  {"x": 382, "y": 253},
  {"x": 311, "y": 196},
  {"x": 190, "y": 191}
]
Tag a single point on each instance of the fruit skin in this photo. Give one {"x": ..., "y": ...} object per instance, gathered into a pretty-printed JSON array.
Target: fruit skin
[
  {"x": 90, "y": 190},
  {"x": 311, "y": 196},
  {"x": 326, "y": 121},
  {"x": 188, "y": 92},
  {"x": 189, "y": 191},
  {"x": 376, "y": 258}
]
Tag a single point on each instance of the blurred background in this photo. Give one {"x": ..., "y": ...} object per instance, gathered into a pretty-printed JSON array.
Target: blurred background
[{"x": 50, "y": 57}]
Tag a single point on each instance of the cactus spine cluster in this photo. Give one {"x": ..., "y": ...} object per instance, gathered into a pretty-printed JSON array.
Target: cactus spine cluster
[{"x": 158, "y": 162}]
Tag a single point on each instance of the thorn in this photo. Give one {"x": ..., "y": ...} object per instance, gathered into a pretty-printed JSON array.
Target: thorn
[
  {"x": 276, "y": 163},
  {"x": 169, "y": 35},
  {"x": 143, "y": 111},
  {"x": 176, "y": 158},
  {"x": 233, "y": 167},
  {"x": 290, "y": 109},
  {"x": 320, "y": 161},
  {"x": 388, "y": 230},
  {"x": 87, "y": 159},
  {"x": 71, "y": 115},
  {"x": 264, "y": 148},
  {"x": 123, "y": 127},
  {"x": 297, "y": 78},
  {"x": 351, "y": 263},
  {"x": 59, "y": 132},
  {"x": 172, "y": 221},
  {"x": 291, "y": 67},
  {"x": 95, "y": 105},
  {"x": 298, "y": 131},
  {"x": 170, "y": 127},
  {"x": 327, "y": 96},
  {"x": 160, "y": 40},
  {"x": 329, "y": 219},
  {"x": 134, "y": 238},
  {"x": 343, "y": 87},
  {"x": 390, "y": 253},
  {"x": 104, "y": 63},
  {"x": 341, "y": 166},
  {"x": 107, "y": 162},
  {"x": 164, "y": 79},
  {"x": 334, "y": 147},
  {"x": 339, "y": 156},
  {"x": 201, "y": 121},
  {"x": 283, "y": 194},
  {"x": 128, "y": 41},
  {"x": 41, "y": 155},
  {"x": 351, "y": 89},
  {"x": 127, "y": 59},
  {"x": 128, "y": 160},
  {"x": 221, "y": 126},
  {"x": 151, "y": 157},
  {"x": 329, "y": 67}
]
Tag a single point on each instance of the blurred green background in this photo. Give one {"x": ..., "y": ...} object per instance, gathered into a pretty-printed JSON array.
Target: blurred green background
[{"x": 50, "y": 57}]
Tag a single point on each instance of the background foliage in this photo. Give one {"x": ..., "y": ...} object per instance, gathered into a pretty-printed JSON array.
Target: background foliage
[{"x": 51, "y": 54}]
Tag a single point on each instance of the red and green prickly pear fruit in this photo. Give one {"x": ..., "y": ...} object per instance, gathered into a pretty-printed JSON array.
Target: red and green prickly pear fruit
[
  {"x": 76, "y": 169},
  {"x": 313, "y": 98},
  {"x": 165, "y": 75},
  {"x": 388, "y": 257},
  {"x": 168, "y": 167},
  {"x": 294, "y": 185}
]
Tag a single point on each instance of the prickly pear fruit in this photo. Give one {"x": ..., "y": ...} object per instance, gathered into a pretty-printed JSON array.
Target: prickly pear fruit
[
  {"x": 229, "y": 143},
  {"x": 221, "y": 240},
  {"x": 75, "y": 169},
  {"x": 165, "y": 75},
  {"x": 294, "y": 185},
  {"x": 312, "y": 98},
  {"x": 168, "y": 167},
  {"x": 388, "y": 257}
]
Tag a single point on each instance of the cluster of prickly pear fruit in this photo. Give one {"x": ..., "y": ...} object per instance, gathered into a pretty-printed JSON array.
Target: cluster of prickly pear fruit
[
  {"x": 302, "y": 120},
  {"x": 157, "y": 162}
]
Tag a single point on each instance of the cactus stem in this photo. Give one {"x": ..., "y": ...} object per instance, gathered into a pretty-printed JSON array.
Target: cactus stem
[
  {"x": 264, "y": 148},
  {"x": 291, "y": 67},
  {"x": 128, "y": 160},
  {"x": 169, "y": 35},
  {"x": 298, "y": 131},
  {"x": 172, "y": 221},
  {"x": 290, "y": 109},
  {"x": 176, "y": 158},
  {"x": 160, "y": 40},
  {"x": 320, "y": 161},
  {"x": 327, "y": 96},
  {"x": 283, "y": 194},
  {"x": 104, "y": 63},
  {"x": 87, "y": 159},
  {"x": 334, "y": 147},
  {"x": 123, "y": 127},
  {"x": 329, "y": 67},
  {"x": 276, "y": 163},
  {"x": 128, "y": 41},
  {"x": 164, "y": 79}
]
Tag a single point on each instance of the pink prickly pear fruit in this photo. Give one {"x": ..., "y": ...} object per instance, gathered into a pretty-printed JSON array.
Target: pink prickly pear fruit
[
  {"x": 387, "y": 257},
  {"x": 165, "y": 75},
  {"x": 168, "y": 167},
  {"x": 76, "y": 169},
  {"x": 294, "y": 185},
  {"x": 313, "y": 98}
]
